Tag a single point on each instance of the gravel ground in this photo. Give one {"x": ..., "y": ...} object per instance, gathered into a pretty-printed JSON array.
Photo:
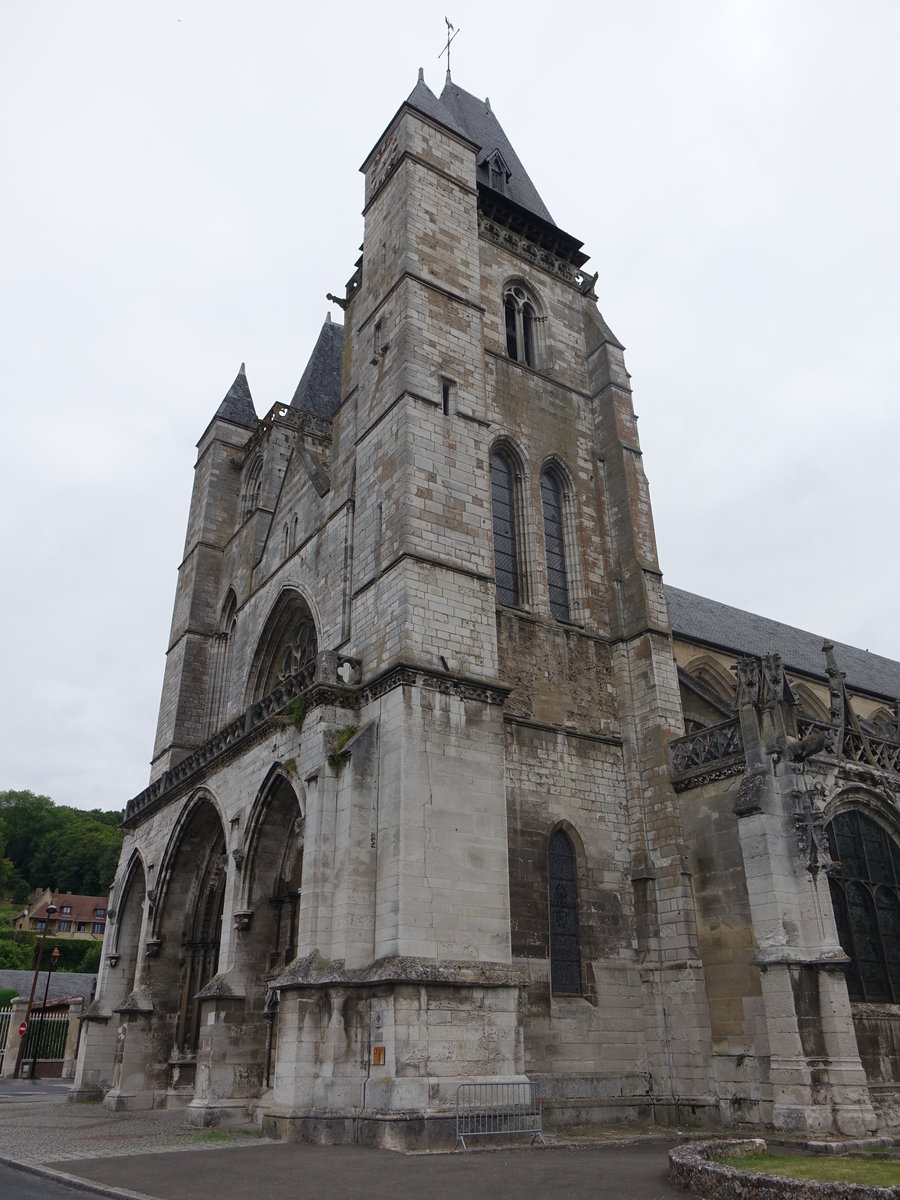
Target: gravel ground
[{"x": 40, "y": 1127}]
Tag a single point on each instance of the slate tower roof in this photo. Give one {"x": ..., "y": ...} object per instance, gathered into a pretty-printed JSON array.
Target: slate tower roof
[
  {"x": 319, "y": 389},
  {"x": 237, "y": 406},
  {"x": 465, "y": 114}
]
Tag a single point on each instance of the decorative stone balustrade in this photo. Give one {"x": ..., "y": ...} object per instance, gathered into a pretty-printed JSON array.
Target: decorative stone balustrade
[
  {"x": 326, "y": 678},
  {"x": 707, "y": 754}
]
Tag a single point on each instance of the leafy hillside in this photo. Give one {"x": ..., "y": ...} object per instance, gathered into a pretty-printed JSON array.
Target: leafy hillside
[{"x": 45, "y": 845}]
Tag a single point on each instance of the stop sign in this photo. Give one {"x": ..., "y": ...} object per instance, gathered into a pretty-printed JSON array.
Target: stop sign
[{"x": 22, "y": 1028}]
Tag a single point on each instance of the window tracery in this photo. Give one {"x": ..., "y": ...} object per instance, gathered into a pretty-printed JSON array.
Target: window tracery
[
  {"x": 521, "y": 323},
  {"x": 288, "y": 644},
  {"x": 252, "y": 488},
  {"x": 865, "y": 895}
]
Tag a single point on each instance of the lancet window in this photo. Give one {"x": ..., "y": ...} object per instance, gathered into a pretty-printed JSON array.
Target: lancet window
[
  {"x": 521, "y": 321},
  {"x": 505, "y": 505},
  {"x": 552, "y": 499},
  {"x": 252, "y": 488},
  {"x": 565, "y": 952}
]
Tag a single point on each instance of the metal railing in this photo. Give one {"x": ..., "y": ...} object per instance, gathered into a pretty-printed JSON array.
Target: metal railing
[
  {"x": 48, "y": 1037},
  {"x": 498, "y": 1110},
  {"x": 5, "y": 1015}
]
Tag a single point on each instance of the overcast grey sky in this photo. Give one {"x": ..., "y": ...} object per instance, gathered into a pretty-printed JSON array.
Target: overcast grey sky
[{"x": 181, "y": 191}]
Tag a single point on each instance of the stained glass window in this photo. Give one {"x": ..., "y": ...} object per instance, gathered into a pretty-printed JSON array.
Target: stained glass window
[{"x": 865, "y": 895}]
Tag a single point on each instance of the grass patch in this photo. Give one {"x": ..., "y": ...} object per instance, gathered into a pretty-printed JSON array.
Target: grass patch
[
  {"x": 298, "y": 712},
  {"x": 227, "y": 1137},
  {"x": 827, "y": 1168},
  {"x": 215, "y": 1136}
]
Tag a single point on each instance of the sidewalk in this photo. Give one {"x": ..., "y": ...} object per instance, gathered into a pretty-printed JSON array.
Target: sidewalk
[{"x": 152, "y": 1154}]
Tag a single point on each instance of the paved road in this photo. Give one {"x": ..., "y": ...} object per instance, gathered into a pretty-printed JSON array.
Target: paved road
[
  {"x": 18, "y": 1185},
  {"x": 285, "y": 1172},
  {"x": 14, "y": 1091},
  {"x": 154, "y": 1154}
]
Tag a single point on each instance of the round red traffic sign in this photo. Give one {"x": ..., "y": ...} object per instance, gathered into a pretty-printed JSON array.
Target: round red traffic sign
[{"x": 22, "y": 1027}]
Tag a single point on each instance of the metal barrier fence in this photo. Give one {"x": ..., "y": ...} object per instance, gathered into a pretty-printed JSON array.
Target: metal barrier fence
[
  {"x": 498, "y": 1110},
  {"x": 5, "y": 1015},
  {"x": 52, "y": 1034}
]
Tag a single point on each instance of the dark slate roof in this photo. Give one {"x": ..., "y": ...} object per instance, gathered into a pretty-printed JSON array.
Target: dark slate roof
[
  {"x": 465, "y": 114},
  {"x": 476, "y": 120},
  {"x": 424, "y": 99},
  {"x": 319, "y": 390},
  {"x": 698, "y": 619},
  {"x": 237, "y": 406},
  {"x": 62, "y": 983}
]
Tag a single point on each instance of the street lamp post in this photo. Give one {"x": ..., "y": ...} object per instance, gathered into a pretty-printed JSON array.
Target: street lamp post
[
  {"x": 51, "y": 912},
  {"x": 54, "y": 959}
]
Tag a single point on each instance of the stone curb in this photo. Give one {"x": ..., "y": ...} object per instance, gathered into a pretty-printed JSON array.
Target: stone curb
[
  {"x": 74, "y": 1181},
  {"x": 694, "y": 1168},
  {"x": 875, "y": 1143}
]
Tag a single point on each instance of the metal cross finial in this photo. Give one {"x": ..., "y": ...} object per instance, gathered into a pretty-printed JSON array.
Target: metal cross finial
[{"x": 451, "y": 34}]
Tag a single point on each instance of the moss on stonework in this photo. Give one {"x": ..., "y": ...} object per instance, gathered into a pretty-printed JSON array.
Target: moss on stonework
[
  {"x": 298, "y": 712},
  {"x": 342, "y": 737}
]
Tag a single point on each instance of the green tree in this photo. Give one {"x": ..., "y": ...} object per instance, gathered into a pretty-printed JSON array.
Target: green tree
[
  {"x": 66, "y": 849},
  {"x": 14, "y": 956},
  {"x": 25, "y": 820},
  {"x": 90, "y": 960}
]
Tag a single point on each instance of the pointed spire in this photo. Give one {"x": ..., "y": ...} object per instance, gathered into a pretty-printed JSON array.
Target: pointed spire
[
  {"x": 319, "y": 389},
  {"x": 237, "y": 407}
]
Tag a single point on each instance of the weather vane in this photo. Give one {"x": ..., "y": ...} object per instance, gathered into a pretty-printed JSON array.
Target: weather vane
[{"x": 451, "y": 34}]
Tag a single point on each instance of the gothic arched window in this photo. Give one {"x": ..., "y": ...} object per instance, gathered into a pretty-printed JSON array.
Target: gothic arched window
[
  {"x": 555, "y": 543},
  {"x": 288, "y": 645},
  {"x": 506, "y": 534},
  {"x": 565, "y": 955},
  {"x": 220, "y": 668},
  {"x": 252, "y": 489},
  {"x": 520, "y": 316},
  {"x": 865, "y": 893}
]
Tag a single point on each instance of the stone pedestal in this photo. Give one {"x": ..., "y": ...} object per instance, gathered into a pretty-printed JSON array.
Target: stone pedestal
[{"x": 389, "y": 1056}]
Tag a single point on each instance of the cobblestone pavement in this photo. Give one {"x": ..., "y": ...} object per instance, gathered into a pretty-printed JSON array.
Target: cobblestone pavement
[
  {"x": 129, "y": 1156},
  {"x": 42, "y": 1127}
]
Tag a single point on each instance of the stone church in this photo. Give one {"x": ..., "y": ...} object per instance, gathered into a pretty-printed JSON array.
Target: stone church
[{"x": 447, "y": 786}]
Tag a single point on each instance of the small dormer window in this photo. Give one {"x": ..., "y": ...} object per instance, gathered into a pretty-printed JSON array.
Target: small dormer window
[{"x": 498, "y": 173}]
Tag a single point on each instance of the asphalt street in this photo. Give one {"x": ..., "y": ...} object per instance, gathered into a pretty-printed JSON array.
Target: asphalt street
[
  {"x": 633, "y": 1172},
  {"x": 153, "y": 1154},
  {"x": 19, "y": 1185}
]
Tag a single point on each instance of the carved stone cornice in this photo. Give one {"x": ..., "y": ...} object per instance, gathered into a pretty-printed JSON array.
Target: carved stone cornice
[
  {"x": 726, "y": 770},
  {"x": 544, "y": 259},
  {"x": 314, "y": 971},
  {"x": 451, "y": 685},
  {"x": 320, "y": 682}
]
